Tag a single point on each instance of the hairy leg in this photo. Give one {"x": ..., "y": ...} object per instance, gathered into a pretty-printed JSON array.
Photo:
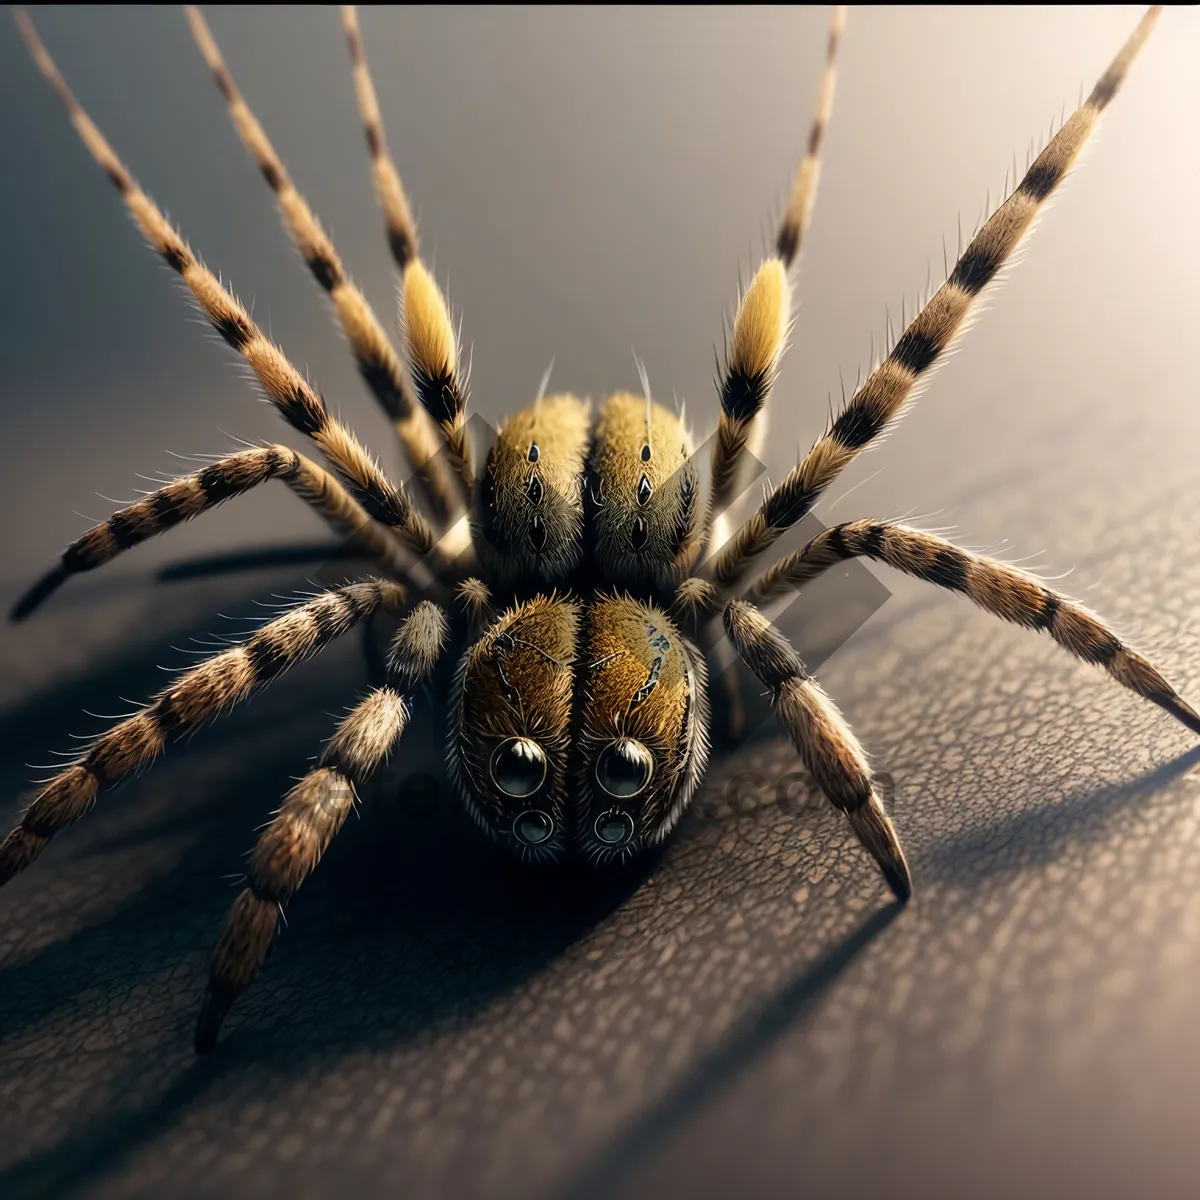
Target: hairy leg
[
  {"x": 311, "y": 815},
  {"x": 297, "y": 401},
  {"x": 997, "y": 588},
  {"x": 826, "y": 744},
  {"x": 429, "y": 336},
  {"x": 762, "y": 321},
  {"x": 910, "y": 364},
  {"x": 377, "y": 360},
  {"x": 191, "y": 495},
  {"x": 196, "y": 697}
]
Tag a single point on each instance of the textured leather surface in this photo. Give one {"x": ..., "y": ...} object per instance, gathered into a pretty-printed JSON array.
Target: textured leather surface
[
  {"x": 746, "y": 1016},
  {"x": 746, "y": 1012}
]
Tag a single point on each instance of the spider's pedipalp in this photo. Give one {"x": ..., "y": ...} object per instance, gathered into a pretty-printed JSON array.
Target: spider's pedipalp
[
  {"x": 189, "y": 496},
  {"x": 826, "y": 744},
  {"x": 190, "y": 701},
  {"x": 476, "y": 599},
  {"x": 377, "y": 360},
  {"x": 298, "y": 402},
  {"x": 693, "y": 597},
  {"x": 1000, "y": 589},
  {"x": 911, "y": 361}
]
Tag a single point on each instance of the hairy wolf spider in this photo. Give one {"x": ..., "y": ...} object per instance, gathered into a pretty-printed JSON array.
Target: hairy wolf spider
[{"x": 579, "y": 713}]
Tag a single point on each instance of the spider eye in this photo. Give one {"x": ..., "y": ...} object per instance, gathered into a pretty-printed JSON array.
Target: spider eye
[
  {"x": 614, "y": 828},
  {"x": 533, "y": 827},
  {"x": 623, "y": 769},
  {"x": 519, "y": 769}
]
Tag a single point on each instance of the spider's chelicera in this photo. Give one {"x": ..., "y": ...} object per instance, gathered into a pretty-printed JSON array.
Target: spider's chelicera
[{"x": 573, "y": 568}]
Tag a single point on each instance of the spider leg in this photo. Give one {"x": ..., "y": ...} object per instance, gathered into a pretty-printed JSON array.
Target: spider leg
[
  {"x": 804, "y": 185},
  {"x": 923, "y": 344},
  {"x": 293, "y": 843},
  {"x": 429, "y": 335},
  {"x": 433, "y": 355},
  {"x": 297, "y": 401},
  {"x": 193, "y": 699},
  {"x": 760, "y": 331},
  {"x": 826, "y": 744},
  {"x": 762, "y": 320},
  {"x": 397, "y": 212},
  {"x": 377, "y": 360},
  {"x": 191, "y": 495},
  {"x": 997, "y": 588}
]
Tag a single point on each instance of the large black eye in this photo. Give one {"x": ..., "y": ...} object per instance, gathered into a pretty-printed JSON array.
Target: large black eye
[
  {"x": 518, "y": 768},
  {"x": 624, "y": 768}
]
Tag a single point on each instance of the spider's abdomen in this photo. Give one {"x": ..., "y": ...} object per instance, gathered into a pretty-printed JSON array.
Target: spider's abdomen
[
  {"x": 529, "y": 525},
  {"x": 641, "y": 495},
  {"x": 579, "y": 727}
]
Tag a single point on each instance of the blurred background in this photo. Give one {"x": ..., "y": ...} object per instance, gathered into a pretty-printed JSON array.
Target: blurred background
[{"x": 591, "y": 183}]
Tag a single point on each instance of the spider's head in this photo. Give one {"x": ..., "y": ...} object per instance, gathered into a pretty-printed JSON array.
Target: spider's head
[
  {"x": 641, "y": 740},
  {"x": 510, "y": 731},
  {"x": 578, "y": 728},
  {"x": 641, "y": 493},
  {"x": 528, "y": 524}
]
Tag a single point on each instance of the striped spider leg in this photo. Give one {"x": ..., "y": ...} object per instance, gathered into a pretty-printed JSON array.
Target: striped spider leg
[
  {"x": 1002, "y": 590},
  {"x": 312, "y": 813},
  {"x": 826, "y": 744},
  {"x": 824, "y": 741},
  {"x": 429, "y": 334},
  {"x": 197, "y": 493},
  {"x": 297, "y": 401},
  {"x": 911, "y": 362},
  {"x": 376, "y": 358},
  {"x": 196, "y": 697}
]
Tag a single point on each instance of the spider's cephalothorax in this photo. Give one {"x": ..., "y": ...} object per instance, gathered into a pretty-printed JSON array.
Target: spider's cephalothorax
[{"x": 580, "y": 707}]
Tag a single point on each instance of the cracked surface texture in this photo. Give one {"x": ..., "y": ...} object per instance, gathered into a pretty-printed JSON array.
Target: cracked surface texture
[{"x": 746, "y": 1014}]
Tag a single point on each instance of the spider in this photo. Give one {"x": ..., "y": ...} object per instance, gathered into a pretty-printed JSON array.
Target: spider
[{"x": 572, "y": 570}]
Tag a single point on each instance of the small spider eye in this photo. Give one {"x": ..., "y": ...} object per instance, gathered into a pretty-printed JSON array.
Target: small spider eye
[
  {"x": 624, "y": 768},
  {"x": 614, "y": 828},
  {"x": 518, "y": 770},
  {"x": 533, "y": 827}
]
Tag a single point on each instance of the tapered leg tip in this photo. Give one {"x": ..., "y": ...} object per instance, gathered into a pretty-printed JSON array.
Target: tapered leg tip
[
  {"x": 1182, "y": 711},
  {"x": 877, "y": 834},
  {"x": 899, "y": 879},
  {"x": 33, "y": 598},
  {"x": 213, "y": 1011},
  {"x": 17, "y": 851}
]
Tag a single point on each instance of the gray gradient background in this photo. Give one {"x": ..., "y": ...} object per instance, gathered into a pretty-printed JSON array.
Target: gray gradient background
[{"x": 591, "y": 181}]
